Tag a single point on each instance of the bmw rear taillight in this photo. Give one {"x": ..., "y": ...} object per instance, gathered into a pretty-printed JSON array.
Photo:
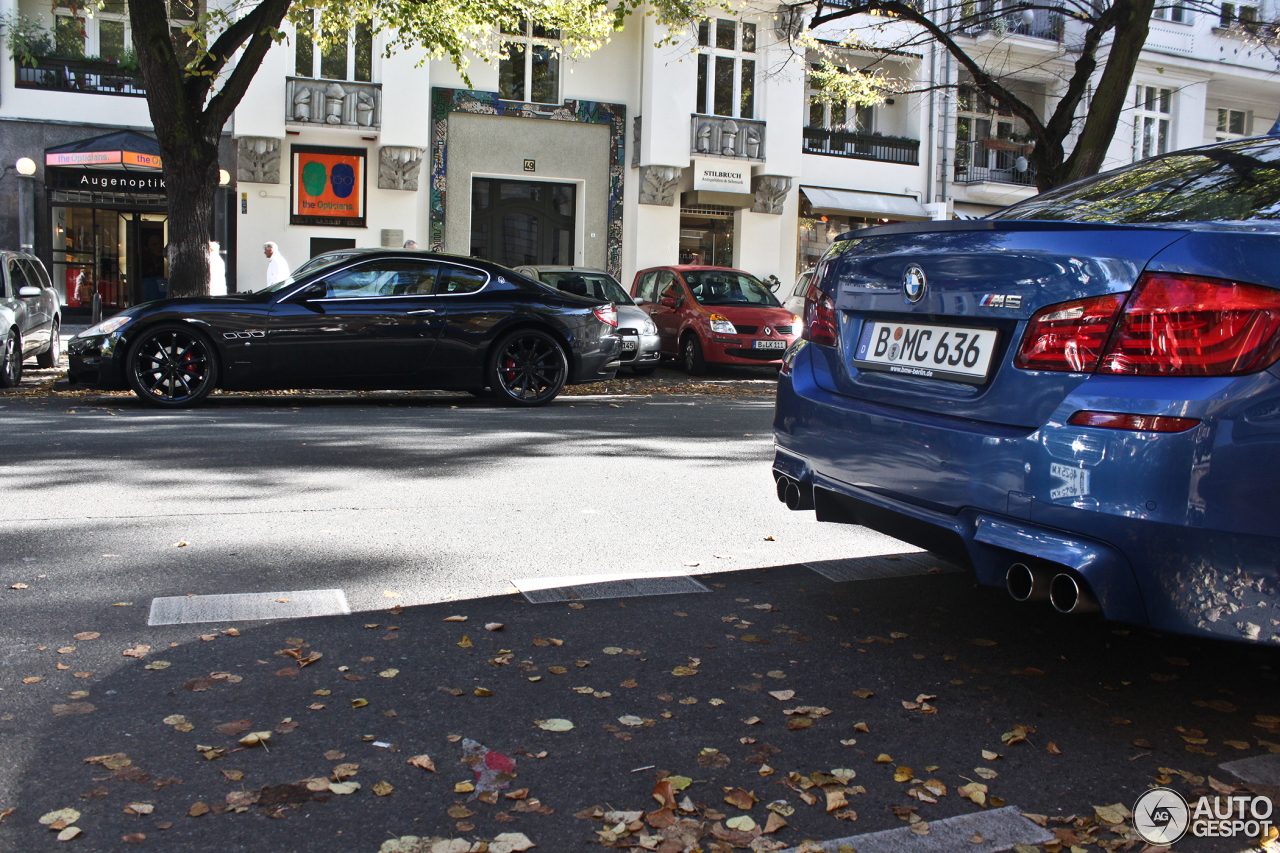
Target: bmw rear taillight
[
  {"x": 819, "y": 318},
  {"x": 1183, "y": 325},
  {"x": 1069, "y": 336},
  {"x": 607, "y": 314}
]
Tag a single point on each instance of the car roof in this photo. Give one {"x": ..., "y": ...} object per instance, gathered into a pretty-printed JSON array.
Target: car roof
[{"x": 695, "y": 268}]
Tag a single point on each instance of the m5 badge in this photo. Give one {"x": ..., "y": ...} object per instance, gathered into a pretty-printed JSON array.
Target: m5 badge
[{"x": 1000, "y": 300}]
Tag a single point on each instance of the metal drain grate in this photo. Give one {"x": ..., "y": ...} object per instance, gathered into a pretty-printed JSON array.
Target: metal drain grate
[
  {"x": 589, "y": 587},
  {"x": 879, "y": 568},
  {"x": 248, "y": 606}
]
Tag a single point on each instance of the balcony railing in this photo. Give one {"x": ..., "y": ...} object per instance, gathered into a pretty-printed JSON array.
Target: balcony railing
[
  {"x": 861, "y": 146},
  {"x": 742, "y": 138},
  {"x": 1040, "y": 24},
  {"x": 994, "y": 160},
  {"x": 333, "y": 103},
  {"x": 79, "y": 75}
]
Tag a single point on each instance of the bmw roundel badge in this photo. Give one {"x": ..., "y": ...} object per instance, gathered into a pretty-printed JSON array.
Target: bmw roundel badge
[{"x": 913, "y": 283}]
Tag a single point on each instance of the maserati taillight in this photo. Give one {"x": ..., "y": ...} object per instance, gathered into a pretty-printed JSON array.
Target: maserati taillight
[
  {"x": 1069, "y": 336},
  {"x": 1184, "y": 325},
  {"x": 819, "y": 318}
]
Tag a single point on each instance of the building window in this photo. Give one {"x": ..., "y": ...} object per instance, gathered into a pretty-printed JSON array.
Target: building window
[
  {"x": 1175, "y": 11},
  {"x": 1237, "y": 15},
  {"x": 529, "y": 69},
  {"x": 345, "y": 59},
  {"x": 1152, "y": 109},
  {"x": 1232, "y": 124},
  {"x": 107, "y": 34},
  {"x": 837, "y": 115},
  {"x": 726, "y": 68}
]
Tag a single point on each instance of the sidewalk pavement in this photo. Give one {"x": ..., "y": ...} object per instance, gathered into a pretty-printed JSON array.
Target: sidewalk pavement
[{"x": 774, "y": 708}]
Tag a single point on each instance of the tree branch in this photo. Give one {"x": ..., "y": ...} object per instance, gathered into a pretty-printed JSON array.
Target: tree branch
[{"x": 222, "y": 104}]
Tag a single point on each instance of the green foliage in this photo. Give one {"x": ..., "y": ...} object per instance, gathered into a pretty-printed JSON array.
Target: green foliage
[
  {"x": 836, "y": 84},
  {"x": 26, "y": 39}
]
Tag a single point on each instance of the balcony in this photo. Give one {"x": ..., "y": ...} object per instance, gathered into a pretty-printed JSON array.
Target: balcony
[
  {"x": 1033, "y": 23},
  {"x": 991, "y": 160},
  {"x": 861, "y": 146},
  {"x": 333, "y": 103},
  {"x": 740, "y": 138},
  {"x": 90, "y": 77}
]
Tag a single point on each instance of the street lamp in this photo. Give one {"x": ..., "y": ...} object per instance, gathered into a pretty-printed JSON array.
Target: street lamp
[
  {"x": 25, "y": 166},
  {"x": 26, "y": 169},
  {"x": 224, "y": 177}
]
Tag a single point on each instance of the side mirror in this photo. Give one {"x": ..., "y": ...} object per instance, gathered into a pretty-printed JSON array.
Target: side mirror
[
  {"x": 773, "y": 283},
  {"x": 639, "y": 300},
  {"x": 668, "y": 302},
  {"x": 28, "y": 291}
]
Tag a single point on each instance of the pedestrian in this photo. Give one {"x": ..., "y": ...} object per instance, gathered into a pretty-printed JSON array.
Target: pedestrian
[
  {"x": 217, "y": 270},
  {"x": 411, "y": 244},
  {"x": 277, "y": 266}
]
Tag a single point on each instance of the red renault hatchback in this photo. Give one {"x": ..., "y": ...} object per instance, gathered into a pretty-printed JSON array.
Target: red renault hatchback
[{"x": 715, "y": 314}]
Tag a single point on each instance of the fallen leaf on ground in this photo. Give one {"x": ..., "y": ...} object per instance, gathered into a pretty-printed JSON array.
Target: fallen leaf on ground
[
  {"x": 465, "y": 643},
  {"x": 782, "y": 695},
  {"x": 383, "y": 788},
  {"x": 423, "y": 761},
  {"x": 554, "y": 725},
  {"x": 137, "y": 651},
  {"x": 494, "y": 626},
  {"x": 66, "y": 816},
  {"x": 85, "y": 636}
]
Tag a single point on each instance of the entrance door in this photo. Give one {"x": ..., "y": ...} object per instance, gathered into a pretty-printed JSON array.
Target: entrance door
[
  {"x": 706, "y": 236},
  {"x": 523, "y": 222}
]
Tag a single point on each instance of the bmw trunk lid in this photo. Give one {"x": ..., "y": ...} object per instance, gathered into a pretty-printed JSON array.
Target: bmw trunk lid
[{"x": 906, "y": 296}]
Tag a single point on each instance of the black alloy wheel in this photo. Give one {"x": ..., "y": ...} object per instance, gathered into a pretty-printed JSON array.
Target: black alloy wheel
[
  {"x": 49, "y": 358},
  {"x": 528, "y": 368},
  {"x": 172, "y": 366},
  {"x": 11, "y": 368},
  {"x": 694, "y": 363}
]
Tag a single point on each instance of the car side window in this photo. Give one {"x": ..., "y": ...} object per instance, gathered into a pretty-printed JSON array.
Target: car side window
[
  {"x": 667, "y": 285},
  {"x": 380, "y": 278},
  {"x": 802, "y": 285},
  {"x": 646, "y": 290},
  {"x": 15, "y": 280},
  {"x": 32, "y": 271},
  {"x": 460, "y": 279}
]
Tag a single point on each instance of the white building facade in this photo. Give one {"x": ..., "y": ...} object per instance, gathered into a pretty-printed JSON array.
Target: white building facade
[{"x": 711, "y": 149}]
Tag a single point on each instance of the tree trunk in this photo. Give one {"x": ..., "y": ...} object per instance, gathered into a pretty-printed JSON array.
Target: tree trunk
[
  {"x": 1111, "y": 96},
  {"x": 191, "y": 179}
]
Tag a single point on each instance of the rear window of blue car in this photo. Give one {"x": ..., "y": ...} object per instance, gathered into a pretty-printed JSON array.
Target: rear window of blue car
[{"x": 1231, "y": 182}]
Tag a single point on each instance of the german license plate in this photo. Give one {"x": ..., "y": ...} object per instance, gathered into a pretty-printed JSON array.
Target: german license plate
[
  {"x": 769, "y": 344},
  {"x": 932, "y": 352},
  {"x": 628, "y": 346}
]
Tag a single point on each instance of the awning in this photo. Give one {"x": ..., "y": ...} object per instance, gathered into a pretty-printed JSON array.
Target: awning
[
  {"x": 124, "y": 149},
  {"x": 870, "y": 205}
]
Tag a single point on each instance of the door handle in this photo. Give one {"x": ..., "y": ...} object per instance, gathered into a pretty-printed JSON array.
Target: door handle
[{"x": 424, "y": 311}]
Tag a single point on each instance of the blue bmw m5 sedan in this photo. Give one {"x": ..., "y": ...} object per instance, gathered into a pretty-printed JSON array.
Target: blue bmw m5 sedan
[{"x": 1077, "y": 396}]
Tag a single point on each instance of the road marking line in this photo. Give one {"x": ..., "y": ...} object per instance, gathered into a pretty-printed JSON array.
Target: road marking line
[
  {"x": 1259, "y": 770},
  {"x": 1001, "y": 829},
  {"x": 248, "y": 606},
  {"x": 886, "y": 566},
  {"x": 588, "y": 587}
]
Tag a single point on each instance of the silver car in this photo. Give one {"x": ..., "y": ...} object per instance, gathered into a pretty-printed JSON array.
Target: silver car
[
  {"x": 29, "y": 316},
  {"x": 641, "y": 346}
]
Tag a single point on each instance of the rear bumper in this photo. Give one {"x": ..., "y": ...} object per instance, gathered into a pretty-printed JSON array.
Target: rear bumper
[
  {"x": 595, "y": 361},
  {"x": 1139, "y": 516}
]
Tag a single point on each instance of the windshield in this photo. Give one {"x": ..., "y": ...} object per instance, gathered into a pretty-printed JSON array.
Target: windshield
[
  {"x": 595, "y": 285},
  {"x": 719, "y": 287},
  {"x": 1232, "y": 182}
]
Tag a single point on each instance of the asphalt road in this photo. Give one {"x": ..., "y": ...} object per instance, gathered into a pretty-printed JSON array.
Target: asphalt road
[{"x": 437, "y": 504}]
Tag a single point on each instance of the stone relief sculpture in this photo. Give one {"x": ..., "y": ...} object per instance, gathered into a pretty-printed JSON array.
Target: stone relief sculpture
[
  {"x": 351, "y": 104},
  {"x": 729, "y": 138},
  {"x": 658, "y": 184},
  {"x": 770, "y": 192},
  {"x": 258, "y": 159},
  {"x": 753, "y": 143},
  {"x": 398, "y": 167}
]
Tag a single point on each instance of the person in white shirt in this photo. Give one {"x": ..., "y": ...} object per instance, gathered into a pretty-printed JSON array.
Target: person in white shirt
[
  {"x": 277, "y": 266},
  {"x": 217, "y": 270}
]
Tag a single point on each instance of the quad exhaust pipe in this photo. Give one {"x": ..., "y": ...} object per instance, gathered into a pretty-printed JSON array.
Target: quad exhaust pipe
[
  {"x": 796, "y": 495},
  {"x": 1027, "y": 584},
  {"x": 1065, "y": 591},
  {"x": 1068, "y": 594}
]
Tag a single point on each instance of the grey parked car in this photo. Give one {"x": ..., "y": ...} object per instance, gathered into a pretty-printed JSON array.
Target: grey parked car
[
  {"x": 29, "y": 316},
  {"x": 641, "y": 346}
]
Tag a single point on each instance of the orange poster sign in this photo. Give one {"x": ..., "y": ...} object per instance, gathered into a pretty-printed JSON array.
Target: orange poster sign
[{"x": 328, "y": 186}]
